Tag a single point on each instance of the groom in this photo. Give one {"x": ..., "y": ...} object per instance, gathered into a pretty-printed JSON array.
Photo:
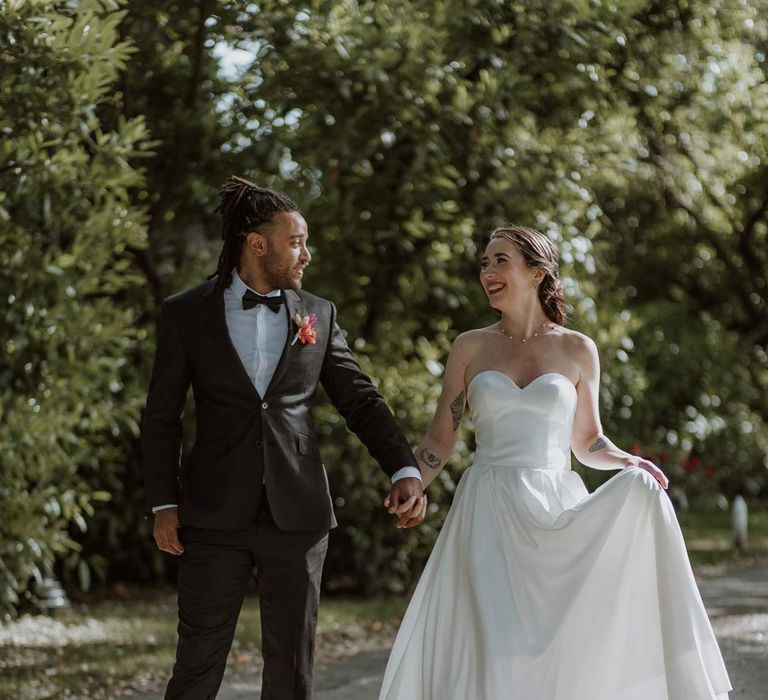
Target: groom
[{"x": 253, "y": 498}]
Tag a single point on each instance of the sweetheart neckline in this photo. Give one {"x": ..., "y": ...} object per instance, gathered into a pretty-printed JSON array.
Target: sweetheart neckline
[{"x": 515, "y": 384}]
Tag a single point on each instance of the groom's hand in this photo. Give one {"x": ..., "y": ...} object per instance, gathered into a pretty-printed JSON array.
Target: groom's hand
[
  {"x": 166, "y": 529},
  {"x": 408, "y": 501},
  {"x": 416, "y": 515}
]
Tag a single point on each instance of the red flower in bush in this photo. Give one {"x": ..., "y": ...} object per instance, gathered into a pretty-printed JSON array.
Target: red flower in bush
[{"x": 692, "y": 464}]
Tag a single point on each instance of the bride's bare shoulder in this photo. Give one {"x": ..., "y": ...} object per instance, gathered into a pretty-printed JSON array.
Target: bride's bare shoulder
[
  {"x": 466, "y": 344},
  {"x": 475, "y": 337},
  {"x": 578, "y": 345}
]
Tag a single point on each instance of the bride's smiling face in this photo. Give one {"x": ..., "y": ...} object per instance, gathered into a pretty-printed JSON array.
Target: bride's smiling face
[{"x": 504, "y": 275}]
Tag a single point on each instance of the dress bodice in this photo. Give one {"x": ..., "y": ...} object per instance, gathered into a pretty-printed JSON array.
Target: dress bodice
[{"x": 529, "y": 427}]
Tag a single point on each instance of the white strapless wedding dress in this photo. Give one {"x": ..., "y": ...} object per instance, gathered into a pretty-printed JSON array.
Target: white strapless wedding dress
[{"x": 539, "y": 590}]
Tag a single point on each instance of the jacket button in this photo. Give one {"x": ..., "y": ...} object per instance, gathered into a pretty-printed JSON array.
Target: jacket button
[{"x": 265, "y": 405}]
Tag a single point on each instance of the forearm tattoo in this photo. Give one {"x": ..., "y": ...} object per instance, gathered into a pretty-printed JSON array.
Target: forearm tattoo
[
  {"x": 457, "y": 408},
  {"x": 430, "y": 458},
  {"x": 598, "y": 444}
]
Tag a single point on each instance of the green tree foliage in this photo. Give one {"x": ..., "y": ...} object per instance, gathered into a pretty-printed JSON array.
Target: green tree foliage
[
  {"x": 632, "y": 133},
  {"x": 416, "y": 127},
  {"x": 182, "y": 81},
  {"x": 683, "y": 243},
  {"x": 413, "y": 128},
  {"x": 70, "y": 398}
]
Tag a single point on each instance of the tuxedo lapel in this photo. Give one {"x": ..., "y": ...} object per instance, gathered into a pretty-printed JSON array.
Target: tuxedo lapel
[
  {"x": 216, "y": 323},
  {"x": 293, "y": 305}
]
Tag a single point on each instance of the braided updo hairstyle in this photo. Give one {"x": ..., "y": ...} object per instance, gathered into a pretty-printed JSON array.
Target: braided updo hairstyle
[
  {"x": 539, "y": 252},
  {"x": 243, "y": 206}
]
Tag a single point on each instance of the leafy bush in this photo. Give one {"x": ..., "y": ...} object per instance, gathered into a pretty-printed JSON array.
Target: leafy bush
[{"x": 69, "y": 399}]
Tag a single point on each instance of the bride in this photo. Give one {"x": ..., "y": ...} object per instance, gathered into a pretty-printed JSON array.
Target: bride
[{"x": 537, "y": 589}]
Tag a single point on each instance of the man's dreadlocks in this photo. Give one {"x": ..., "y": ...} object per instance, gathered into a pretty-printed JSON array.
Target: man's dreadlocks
[{"x": 243, "y": 206}]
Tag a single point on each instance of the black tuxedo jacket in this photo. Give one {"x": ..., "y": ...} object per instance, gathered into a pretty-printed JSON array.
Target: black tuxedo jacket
[{"x": 245, "y": 442}]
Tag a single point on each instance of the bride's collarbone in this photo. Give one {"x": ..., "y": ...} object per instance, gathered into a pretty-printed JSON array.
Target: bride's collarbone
[{"x": 521, "y": 364}]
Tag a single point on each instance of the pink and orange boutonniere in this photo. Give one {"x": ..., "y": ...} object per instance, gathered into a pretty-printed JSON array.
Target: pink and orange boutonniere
[{"x": 306, "y": 325}]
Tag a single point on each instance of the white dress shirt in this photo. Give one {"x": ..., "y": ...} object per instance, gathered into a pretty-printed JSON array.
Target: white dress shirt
[{"x": 259, "y": 336}]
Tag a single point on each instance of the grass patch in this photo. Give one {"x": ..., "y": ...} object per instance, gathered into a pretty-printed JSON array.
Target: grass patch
[
  {"x": 709, "y": 539},
  {"x": 109, "y": 648}
]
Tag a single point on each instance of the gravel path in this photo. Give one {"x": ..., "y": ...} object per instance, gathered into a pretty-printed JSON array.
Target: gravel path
[
  {"x": 737, "y": 603},
  {"x": 738, "y": 606}
]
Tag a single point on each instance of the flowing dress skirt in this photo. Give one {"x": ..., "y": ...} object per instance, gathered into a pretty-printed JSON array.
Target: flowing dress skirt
[{"x": 538, "y": 590}]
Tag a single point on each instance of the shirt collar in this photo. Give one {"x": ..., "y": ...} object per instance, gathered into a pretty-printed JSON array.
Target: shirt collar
[{"x": 239, "y": 287}]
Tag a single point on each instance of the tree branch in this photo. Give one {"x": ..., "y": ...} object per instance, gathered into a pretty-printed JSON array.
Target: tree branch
[
  {"x": 745, "y": 239},
  {"x": 198, "y": 49}
]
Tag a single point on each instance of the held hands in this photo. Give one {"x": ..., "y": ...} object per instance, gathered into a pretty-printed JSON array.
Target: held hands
[
  {"x": 408, "y": 501},
  {"x": 651, "y": 468},
  {"x": 165, "y": 531}
]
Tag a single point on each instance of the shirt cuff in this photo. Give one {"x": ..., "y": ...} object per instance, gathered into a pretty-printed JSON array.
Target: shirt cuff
[
  {"x": 163, "y": 507},
  {"x": 406, "y": 473}
]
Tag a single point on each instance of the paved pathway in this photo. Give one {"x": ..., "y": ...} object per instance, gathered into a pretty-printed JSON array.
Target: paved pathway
[
  {"x": 737, "y": 603},
  {"x": 357, "y": 678}
]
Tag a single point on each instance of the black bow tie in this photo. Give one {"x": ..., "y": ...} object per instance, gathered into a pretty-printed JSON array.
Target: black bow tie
[{"x": 250, "y": 299}]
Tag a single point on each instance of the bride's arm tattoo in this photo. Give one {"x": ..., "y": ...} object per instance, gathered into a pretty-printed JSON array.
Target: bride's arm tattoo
[
  {"x": 457, "y": 408},
  {"x": 430, "y": 458},
  {"x": 598, "y": 444}
]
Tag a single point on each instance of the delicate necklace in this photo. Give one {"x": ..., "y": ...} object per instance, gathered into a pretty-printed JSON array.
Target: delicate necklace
[{"x": 535, "y": 333}]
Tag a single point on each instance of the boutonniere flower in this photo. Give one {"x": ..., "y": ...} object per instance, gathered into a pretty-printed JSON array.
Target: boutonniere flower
[{"x": 306, "y": 325}]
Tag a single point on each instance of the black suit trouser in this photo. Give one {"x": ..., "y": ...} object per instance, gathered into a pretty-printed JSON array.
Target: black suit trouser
[{"x": 214, "y": 572}]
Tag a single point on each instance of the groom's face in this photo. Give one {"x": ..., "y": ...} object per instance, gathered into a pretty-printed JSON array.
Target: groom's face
[{"x": 286, "y": 255}]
